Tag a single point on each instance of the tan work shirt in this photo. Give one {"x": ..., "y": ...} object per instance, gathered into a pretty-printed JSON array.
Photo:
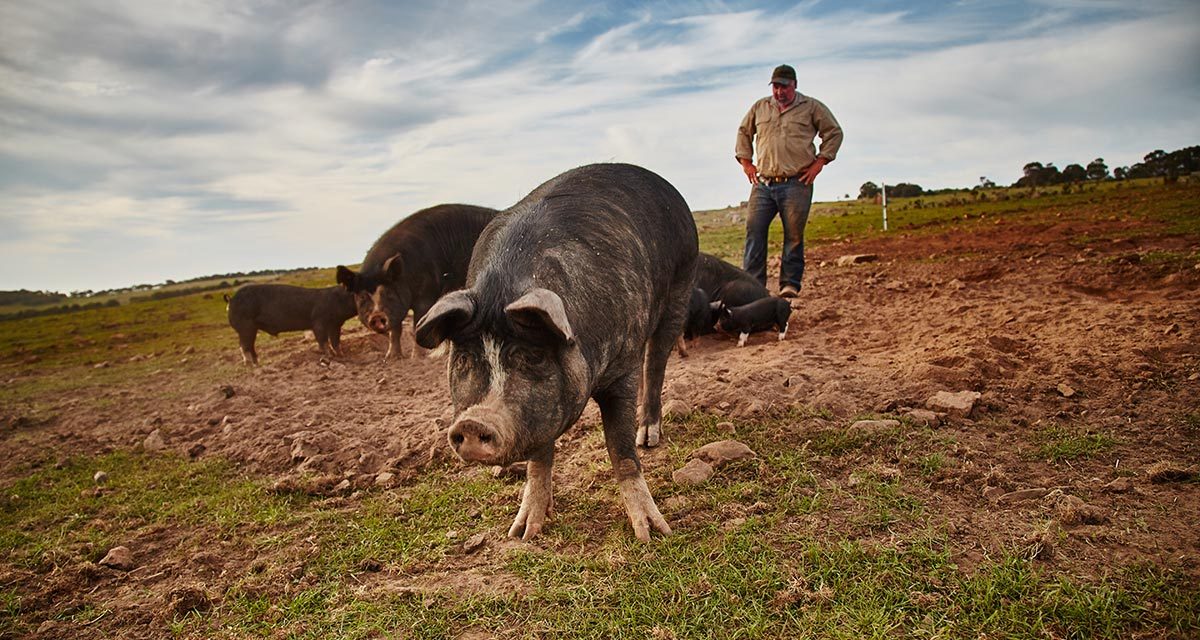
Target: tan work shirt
[{"x": 785, "y": 139}]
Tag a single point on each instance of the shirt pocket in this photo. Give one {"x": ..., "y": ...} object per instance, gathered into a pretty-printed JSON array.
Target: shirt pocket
[{"x": 768, "y": 121}]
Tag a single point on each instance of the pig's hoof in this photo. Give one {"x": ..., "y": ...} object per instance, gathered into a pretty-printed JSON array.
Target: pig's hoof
[
  {"x": 644, "y": 515},
  {"x": 648, "y": 435},
  {"x": 530, "y": 520}
]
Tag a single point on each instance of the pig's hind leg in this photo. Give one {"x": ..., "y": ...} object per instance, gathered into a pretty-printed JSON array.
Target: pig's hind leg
[
  {"x": 246, "y": 342},
  {"x": 618, "y": 411},
  {"x": 335, "y": 341},
  {"x": 321, "y": 333},
  {"x": 537, "y": 499}
]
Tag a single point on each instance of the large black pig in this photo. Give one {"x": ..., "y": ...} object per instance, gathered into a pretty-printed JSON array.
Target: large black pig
[
  {"x": 726, "y": 283},
  {"x": 275, "y": 308},
  {"x": 577, "y": 291},
  {"x": 412, "y": 264}
]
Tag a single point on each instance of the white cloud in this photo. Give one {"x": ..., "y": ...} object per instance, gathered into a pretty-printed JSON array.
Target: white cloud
[{"x": 269, "y": 136}]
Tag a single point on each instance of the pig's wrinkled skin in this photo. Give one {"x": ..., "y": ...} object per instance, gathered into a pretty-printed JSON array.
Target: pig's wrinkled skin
[
  {"x": 760, "y": 315},
  {"x": 412, "y": 264},
  {"x": 578, "y": 291},
  {"x": 275, "y": 308}
]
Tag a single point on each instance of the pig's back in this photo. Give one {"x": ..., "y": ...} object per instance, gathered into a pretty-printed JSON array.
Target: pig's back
[
  {"x": 274, "y": 307},
  {"x": 612, "y": 240},
  {"x": 442, "y": 236}
]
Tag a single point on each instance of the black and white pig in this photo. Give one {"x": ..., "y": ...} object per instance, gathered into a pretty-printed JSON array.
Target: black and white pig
[
  {"x": 577, "y": 291},
  {"x": 275, "y": 308},
  {"x": 723, "y": 285},
  {"x": 726, "y": 283},
  {"x": 760, "y": 315},
  {"x": 413, "y": 264}
]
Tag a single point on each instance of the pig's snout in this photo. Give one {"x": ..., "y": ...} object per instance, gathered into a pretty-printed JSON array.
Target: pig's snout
[
  {"x": 474, "y": 441},
  {"x": 378, "y": 322}
]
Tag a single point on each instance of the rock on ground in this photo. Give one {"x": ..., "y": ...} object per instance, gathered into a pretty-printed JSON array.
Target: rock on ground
[
  {"x": 722, "y": 452},
  {"x": 119, "y": 558},
  {"x": 961, "y": 404},
  {"x": 694, "y": 472}
]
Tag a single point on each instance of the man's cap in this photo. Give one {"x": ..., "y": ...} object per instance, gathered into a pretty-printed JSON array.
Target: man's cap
[{"x": 783, "y": 74}]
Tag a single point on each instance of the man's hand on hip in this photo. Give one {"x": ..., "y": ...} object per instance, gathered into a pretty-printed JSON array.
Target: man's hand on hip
[
  {"x": 809, "y": 174},
  {"x": 750, "y": 170}
]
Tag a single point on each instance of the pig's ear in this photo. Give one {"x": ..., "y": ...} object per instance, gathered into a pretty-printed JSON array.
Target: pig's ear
[
  {"x": 346, "y": 277},
  {"x": 542, "y": 309},
  {"x": 393, "y": 268},
  {"x": 445, "y": 318}
]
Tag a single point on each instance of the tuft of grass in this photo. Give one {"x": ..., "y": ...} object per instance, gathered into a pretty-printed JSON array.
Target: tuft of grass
[
  {"x": 884, "y": 502},
  {"x": 931, "y": 464},
  {"x": 1190, "y": 422},
  {"x": 1058, "y": 443}
]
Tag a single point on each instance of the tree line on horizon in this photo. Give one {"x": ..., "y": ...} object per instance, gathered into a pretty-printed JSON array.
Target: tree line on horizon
[
  {"x": 1156, "y": 164},
  {"x": 41, "y": 303}
]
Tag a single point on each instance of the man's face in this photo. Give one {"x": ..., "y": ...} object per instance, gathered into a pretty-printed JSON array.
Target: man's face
[{"x": 783, "y": 93}]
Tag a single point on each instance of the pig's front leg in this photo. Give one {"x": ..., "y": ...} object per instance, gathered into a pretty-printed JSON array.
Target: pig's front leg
[
  {"x": 619, "y": 415},
  {"x": 394, "y": 350},
  {"x": 639, "y": 504},
  {"x": 537, "y": 500}
]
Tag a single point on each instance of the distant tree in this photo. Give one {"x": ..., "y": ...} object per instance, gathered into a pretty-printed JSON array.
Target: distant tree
[
  {"x": 1051, "y": 174},
  {"x": 1031, "y": 172},
  {"x": 1160, "y": 164},
  {"x": 1119, "y": 173},
  {"x": 1074, "y": 173},
  {"x": 868, "y": 191},
  {"x": 985, "y": 183},
  {"x": 904, "y": 190},
  {"x": 1097, "y": 170}
]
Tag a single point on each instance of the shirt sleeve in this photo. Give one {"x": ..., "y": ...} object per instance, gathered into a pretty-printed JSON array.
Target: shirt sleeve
[
  {"x": 744, "y": 147},
  {"x": 829, "y": 130}
]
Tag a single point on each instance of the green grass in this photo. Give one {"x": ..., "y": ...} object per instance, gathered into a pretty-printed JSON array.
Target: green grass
[
  {"x": 111, "y": 345},
  {"x": 931, "y": 464},
  {"x": 141, "y": 492},
  {"x": 714, "y": 578},
  {"x": 1170, "y": 209},
  {"x": 1058, "y": 443}
]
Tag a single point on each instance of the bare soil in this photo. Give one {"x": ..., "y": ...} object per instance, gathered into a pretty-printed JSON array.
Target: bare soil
[{"x": 1051, "y": 332}]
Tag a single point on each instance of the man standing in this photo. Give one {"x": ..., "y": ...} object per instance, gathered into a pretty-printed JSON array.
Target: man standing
[{"x": 783, "y": 127}]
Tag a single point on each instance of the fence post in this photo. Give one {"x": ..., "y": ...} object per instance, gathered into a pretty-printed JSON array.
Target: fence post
[{"x": 883, "y": 188}]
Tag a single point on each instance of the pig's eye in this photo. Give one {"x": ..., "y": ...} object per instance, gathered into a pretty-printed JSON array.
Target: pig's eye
[
  {"x": 527, "y": 357},
  {"x": 464, "y": 357}
]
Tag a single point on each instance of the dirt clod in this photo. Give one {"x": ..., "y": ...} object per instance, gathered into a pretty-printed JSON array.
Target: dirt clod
[
  {"x": 1169, "y": 472},
  {"x": 184, "y": 600}
]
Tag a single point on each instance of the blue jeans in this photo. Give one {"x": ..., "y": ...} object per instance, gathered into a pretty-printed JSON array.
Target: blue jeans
[{"x": 792, "y": 201}]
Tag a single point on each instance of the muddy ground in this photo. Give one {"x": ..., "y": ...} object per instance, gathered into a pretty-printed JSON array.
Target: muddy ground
[{"x": 1051, "y": 329}]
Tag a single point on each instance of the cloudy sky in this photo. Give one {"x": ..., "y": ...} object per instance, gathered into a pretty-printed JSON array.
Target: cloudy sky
[{"x": 142, "y": 140}]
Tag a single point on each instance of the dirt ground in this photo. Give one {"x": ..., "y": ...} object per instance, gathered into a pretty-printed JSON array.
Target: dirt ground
[{"x": 1049, "y": 331}]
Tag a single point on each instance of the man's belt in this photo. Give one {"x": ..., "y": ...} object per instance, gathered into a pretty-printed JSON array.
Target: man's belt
[{"x": 769, "y": 180}]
